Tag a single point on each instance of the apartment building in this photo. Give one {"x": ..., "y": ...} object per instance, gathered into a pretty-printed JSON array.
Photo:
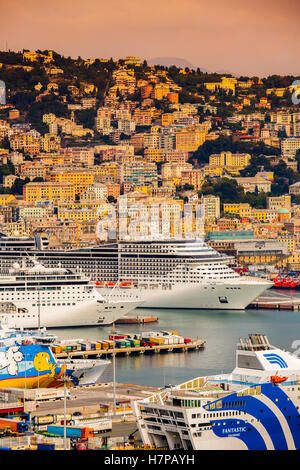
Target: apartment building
[{"x": 49, "y": 191}]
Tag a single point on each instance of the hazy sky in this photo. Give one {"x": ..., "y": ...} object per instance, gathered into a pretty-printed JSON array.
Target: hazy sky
[{"x": 257, "y": 38}]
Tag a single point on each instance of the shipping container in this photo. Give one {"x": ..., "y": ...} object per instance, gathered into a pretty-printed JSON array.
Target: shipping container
[
  {"x": 41, "y": 420},
  {"x": 97, "y": 424},
  {"x": 120, "y": 344},
  {"x": 115, "y": 337},
  {"x": 59, "y": 419},
  {"x": 156, "y": 340},
  {"x": 71, "y": 431},
  {"x": 45, "y": 446},
  {"x": 14, "y": 425}
]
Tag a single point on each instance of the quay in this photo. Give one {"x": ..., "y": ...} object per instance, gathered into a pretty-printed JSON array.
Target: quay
[
  {"x": 139, "y": 320},
  {"x": 275, "y": 303},
  {"x": 194, "y": 344}
]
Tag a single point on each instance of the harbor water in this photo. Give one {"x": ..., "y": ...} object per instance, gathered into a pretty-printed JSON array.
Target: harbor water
[{"x": 220, "y": 329}]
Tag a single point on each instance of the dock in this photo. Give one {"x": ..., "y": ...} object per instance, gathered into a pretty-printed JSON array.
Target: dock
[
  {"x": 275, "y": 303},
  {"x": 138, "y": 320},
  {"x": 193, "y": 345}
]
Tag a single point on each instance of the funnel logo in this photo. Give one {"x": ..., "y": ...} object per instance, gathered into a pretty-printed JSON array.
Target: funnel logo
[
  {"x": 296, "y": 93},
  {"x": 2, "y": 92},
  {"x": 275, "y": 359}
]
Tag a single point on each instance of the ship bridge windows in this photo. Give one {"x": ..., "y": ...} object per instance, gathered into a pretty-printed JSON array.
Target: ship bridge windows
[{"x": 248, "y": 362}]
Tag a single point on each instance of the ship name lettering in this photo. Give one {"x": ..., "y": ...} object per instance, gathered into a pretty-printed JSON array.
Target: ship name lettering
[{"x": 235, "y": 430}]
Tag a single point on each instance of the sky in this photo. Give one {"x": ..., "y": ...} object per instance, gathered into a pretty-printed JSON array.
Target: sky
[{"x": 254, "y": 38}]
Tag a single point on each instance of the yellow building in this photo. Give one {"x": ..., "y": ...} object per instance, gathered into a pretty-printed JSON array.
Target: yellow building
[
  {"x": 291, "y": 242},
  {"x": 54, "y": 159},
  {"x": 154, "y": 155},
  {"x": 49, "y": 118},
  {"x": 241, "y": 209},
  {"x": 277, "y": 91},
  {"x": 82, "y": 211},
  {"x": 80, "y": 179},
  {"x": 189, "y": 140},
  {"x": 279, "y": 202},
  {"x": 264, "y": 215},
  {"x": 29, "y": 142},
  {"x": 50, "y": 143},
  {"x": 167, "y": 119},
  {"x": 6, "y": 199},
  {"x": 294, "y": 260},
  {"x": 226, "y": 83},
  {"x": 212, "y": 170},
  {"x": 50, "y": 191},
  {"x": 233, "y": 163},
  {"x": 160, "y": 91},
  {"x": 108, "y": 170}
]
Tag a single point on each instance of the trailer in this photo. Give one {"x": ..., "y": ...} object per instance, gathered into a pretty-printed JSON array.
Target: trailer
[
  {"x": 99, "y": 425},
  {"x": 14, "y": 425},
  {"x": 35, "y": 394},
  {"x": 80, "y": 432}
]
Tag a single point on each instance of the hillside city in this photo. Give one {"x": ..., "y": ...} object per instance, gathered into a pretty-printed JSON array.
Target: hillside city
[{"x": 79, "y": 135}]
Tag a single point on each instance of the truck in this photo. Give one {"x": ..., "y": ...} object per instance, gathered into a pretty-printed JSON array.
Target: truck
[
  {"x": 50, "y": 394},
  {"x": 40, "y": 394},
  {"x": 14, "y": 425},
  {"x": 81, "y": 432},
  {"x": 98, "y": 424}
]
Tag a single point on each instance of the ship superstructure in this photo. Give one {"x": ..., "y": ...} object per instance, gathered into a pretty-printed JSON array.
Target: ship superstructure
[
  {"x": 35, "y": 296},
  {"x": 256, "y": 407}
]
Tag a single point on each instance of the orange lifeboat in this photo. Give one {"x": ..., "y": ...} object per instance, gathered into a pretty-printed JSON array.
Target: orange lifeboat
[{"x": 277, "y": 380}]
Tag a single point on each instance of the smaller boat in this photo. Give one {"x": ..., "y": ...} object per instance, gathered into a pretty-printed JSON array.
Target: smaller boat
[
  {"x": 275, "y": 379},
  {"x": 286, "y": 282}
]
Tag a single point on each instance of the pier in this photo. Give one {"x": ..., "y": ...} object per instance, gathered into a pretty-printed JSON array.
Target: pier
[
  {"x": 138, "y": 320},
  {"x": 193, "y": 345},
  {"x": 276, "y": 303}
]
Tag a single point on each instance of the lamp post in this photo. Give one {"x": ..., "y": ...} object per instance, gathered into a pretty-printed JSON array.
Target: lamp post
[
  {"x": 114, "y": 370},
  {"x": 65, "y": 379}
]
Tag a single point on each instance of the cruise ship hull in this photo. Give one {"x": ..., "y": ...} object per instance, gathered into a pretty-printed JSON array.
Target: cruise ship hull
[
  {"x": 236, "y": 295},
  {"x": 88, "y": 313}
]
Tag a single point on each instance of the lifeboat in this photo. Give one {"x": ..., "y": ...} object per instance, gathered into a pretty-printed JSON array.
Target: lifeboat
[
  {"x": 110, "y": 284},
  {"x": 275, "y": 379},
  {"x": 99, "y": 283},
  {"x": 126, "y": 284}
]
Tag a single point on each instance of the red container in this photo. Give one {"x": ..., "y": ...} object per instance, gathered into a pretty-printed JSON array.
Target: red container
[
  {"x": 187, "y": 340},
  {"x": 112, "y": 337}
]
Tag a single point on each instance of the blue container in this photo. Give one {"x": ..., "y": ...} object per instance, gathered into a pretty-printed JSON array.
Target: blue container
[
  {"x": 59, "y": 431},
  {"x": 46, "y": 447}
]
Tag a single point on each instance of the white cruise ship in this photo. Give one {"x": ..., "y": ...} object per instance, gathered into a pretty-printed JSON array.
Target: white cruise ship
[
  {"x": 182, "y": 275},
  {"x": 178, "y": 274},
  {"x": 255, "y": 407},
  {"x": 37, "y": 296}
]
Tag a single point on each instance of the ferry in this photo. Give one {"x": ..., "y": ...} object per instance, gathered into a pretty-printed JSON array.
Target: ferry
[
  {"x": 27, "y": 362},
  {"x": 255, "y": 407}
]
